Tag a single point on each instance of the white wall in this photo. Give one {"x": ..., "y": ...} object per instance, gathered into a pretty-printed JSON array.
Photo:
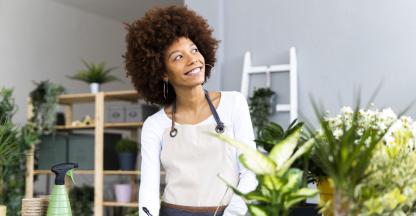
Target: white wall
[
  {"x": 341, "y": 45},
  {"x": 43, "y": 39}
]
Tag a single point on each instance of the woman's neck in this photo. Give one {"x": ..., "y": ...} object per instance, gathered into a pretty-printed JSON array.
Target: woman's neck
[{"x": 190, "y": 100}]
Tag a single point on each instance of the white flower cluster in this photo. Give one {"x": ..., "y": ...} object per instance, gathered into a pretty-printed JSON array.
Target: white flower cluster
[{"x": 376, "y": 119}]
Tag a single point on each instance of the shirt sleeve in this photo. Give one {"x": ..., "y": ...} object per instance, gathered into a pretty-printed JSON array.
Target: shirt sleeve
[
  {"x": 243, "y": 132},
  {"x": 149, "y": 191}
]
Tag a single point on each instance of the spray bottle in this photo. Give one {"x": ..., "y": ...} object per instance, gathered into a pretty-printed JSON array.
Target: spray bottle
[{"x": 59, "y": 201}]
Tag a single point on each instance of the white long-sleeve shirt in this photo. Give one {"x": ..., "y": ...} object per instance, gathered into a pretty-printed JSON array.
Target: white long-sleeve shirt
[{"x": 233, "y": 110}]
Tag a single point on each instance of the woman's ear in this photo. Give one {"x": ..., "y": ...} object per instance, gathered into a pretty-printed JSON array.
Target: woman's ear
[{"x": 165, "y": 77}]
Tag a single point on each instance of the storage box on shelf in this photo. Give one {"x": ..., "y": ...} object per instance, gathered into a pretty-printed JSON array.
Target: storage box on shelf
[{"x": 99, "y": 126}]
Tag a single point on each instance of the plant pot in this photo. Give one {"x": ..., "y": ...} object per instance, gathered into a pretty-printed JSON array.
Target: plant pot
[
  {"x": 326, "y": 193},
  {"x": 3, "y": 210},
  {"x": 123, "y": 192},
  {"x": 95, "y": 88},
  {"x": 127, "y": 160}
]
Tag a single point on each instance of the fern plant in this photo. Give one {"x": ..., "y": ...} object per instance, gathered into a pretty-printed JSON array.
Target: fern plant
[
  {"x": 14, "y": 142},
  {"x": 95, "y": 73}
]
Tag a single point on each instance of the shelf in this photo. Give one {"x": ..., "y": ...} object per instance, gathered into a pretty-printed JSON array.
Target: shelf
[
  {"x": 118, "y": 125},
  {"x": 91, "y": 172},
  {"x": 118, "y": 204},
  {"x": 128, "y": 95}
]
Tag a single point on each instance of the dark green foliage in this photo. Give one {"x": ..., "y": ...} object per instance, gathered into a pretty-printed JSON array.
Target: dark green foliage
[
  {"x": 7, "y": 106},
  {"x": 127, "y": 145},
  {"x": 260, "y": 106},
  {"x": 82, "y": 200},
  {"x": 272, "y": 133},
  {"x": 44, "y": 99}
]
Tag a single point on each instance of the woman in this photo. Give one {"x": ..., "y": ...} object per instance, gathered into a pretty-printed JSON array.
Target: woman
[{"x": 170, "y": 55}]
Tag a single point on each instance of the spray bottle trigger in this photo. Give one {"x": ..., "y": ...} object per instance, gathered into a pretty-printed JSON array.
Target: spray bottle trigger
[{"x": 70, "y": 173}]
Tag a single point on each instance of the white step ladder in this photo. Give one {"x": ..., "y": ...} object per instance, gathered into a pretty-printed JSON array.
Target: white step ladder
[{"x": 248, "y": 69}]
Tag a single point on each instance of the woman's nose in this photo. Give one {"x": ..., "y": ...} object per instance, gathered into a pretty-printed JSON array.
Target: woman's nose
[{"x": 192, "y": 60}]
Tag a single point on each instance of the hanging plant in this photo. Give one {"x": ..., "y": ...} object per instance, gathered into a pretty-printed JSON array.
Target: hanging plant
[
  {"x": 260, "y": 106},
  {"x": 44, "y": 99}
]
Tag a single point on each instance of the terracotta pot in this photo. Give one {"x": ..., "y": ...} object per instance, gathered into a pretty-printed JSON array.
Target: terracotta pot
[
  {"x": 3, "y": 210},
  {"x": 326, "y": 193}
]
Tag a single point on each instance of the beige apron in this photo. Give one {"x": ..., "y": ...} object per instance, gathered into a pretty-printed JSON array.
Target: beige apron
[{"x": 193, "y": 159}]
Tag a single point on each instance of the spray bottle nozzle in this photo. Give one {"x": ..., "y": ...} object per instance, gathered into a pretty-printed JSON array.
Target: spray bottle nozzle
[{"x": 61, "y": 170}]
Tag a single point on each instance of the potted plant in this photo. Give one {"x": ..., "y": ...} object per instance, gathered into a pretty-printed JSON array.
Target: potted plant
[
  {"x": 44, "y": 99},
  {"x": 127, "y": 153},
  {"x": 344, "y": 148},
  {"x": 82, "y": 199},
  {"x": 261, "y": 104},
  {"x": 279, "y": 186},
  {"x": 95, "y": 75},
  {"x": 123, "y": 192},
  {"x": 14, "y": 142},
  {"x": 9, "y": 142}
]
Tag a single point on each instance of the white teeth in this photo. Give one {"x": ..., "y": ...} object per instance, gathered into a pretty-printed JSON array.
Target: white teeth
[{"x": 195, "y": 70}]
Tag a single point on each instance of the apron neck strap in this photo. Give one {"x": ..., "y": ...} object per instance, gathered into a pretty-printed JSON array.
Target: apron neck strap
[{"x": 220, "y": 125}]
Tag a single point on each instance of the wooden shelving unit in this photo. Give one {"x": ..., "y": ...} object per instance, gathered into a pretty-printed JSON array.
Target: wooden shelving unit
[{"x": 99, "y": 126}]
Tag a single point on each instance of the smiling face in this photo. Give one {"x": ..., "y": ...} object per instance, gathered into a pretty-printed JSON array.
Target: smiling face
[{"x": 184, "y": 63}]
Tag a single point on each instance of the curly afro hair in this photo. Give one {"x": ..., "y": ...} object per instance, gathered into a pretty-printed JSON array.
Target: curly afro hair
[{"x": 149, "y": 37}]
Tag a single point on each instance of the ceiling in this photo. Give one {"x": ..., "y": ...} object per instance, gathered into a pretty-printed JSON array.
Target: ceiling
[{"x": 118, "y": 10}]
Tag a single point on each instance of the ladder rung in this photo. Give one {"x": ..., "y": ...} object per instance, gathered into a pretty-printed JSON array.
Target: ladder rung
[
  {"x": 283, "y": 107},
  {"x": 272, "y": 68}
]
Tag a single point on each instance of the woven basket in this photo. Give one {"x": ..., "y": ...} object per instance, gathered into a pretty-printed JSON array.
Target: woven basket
[{"x": 35, "y": 206}]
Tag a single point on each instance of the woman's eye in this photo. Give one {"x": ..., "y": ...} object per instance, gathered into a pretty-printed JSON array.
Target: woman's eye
[
  {"x": 195, "y": 50},
  {"x": 178, "y": 57}
]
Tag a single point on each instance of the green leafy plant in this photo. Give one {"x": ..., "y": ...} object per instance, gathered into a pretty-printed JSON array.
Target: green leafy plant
[
  {"x": 260, "y": 106},
  {"x": 82, "y": 199},
  {"x": 344, "y": 148},
  {"x": 127, "y": 145},
  {"x": 44, "y": 99},
  {"x": 95, "y": 73},
  {"x": 279, "y": 186},
  {"x": 7, "y": 106},
  {"x": 271, "y": 134},
  {"x": 14, "y": 143}
]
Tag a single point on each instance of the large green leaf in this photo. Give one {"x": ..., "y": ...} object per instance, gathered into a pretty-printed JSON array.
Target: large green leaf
[
  {"x": 294, "y": 180},
  {"x": 302, "y": 150},
  {"x": 284, "y": 149},
  {"x": 257, "y": 210},
  {"x": 251, "y": 158}
]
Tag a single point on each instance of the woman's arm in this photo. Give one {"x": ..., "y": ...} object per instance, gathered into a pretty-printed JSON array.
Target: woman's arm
[
  {"x": 243, "y": 131},
  {"x": 149, "y": 192}
]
